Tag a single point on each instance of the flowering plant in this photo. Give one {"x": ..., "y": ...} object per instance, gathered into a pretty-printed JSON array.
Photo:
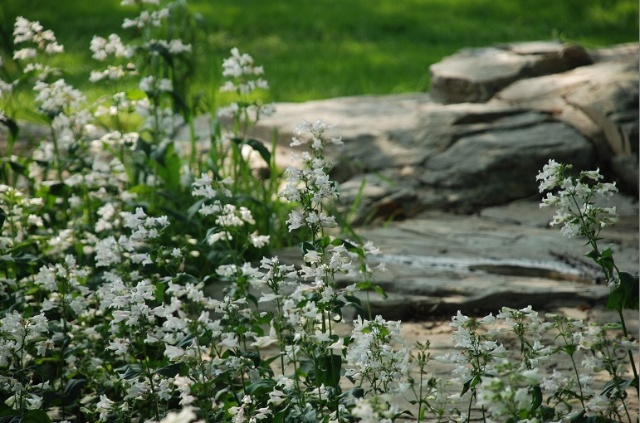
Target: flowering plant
[
  {"x": 118, "y": 305},
  {"x": 580, "y": 214}
]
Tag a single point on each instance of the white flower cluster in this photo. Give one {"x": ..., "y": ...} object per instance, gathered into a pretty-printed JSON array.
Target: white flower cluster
[
  {"x": 147, "y": 18},
  {"x": 504, "y": 386},
  {"x": 377, "y": 409},
  {"x": 242, "y": 69},
  {"x": 511, "y": 390},
  {"x": 22, "y": 213},
  {"x": 310, "y": 186},
  {"x": 17, "y": 331},
  {"x": 174, "y": 46},
  {"x": 102, "y": 48},
  {"x": 377, "y": 354},
  {"x": 150, "y": 84},
  {"x": 575, "y": 200},
  {"x": 58, "y": 96},
  {"x": 20, "y": 337},
  {"x": 244, "y": 78},
  {"x": 229, "y": 218},
  {"x": 110, "y": 251},
  {"x": 26, "y": 31},
  {"x": 113, "y": 45}
]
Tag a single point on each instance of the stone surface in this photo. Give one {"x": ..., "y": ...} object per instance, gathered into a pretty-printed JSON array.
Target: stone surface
[
  {"x": 475, "y": 75},
  {"x": 438, "y": 263},
  {"x": 600, "y": 101},
  {"x": 411, "y": 159},
  {"x": 406, "y": 153}
]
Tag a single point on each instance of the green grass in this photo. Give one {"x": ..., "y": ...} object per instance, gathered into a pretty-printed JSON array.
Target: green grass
[{"x": 313, "y": 49}]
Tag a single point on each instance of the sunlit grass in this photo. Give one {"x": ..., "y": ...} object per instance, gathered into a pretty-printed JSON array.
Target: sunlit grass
[{"x": 314, "y": 50}]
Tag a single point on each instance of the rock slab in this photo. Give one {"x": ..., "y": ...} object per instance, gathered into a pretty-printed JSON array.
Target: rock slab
[
  {"x": 438, "y": 263},
  {"x": 404, "y": 154},
  {"x": 476, "y": 75}
]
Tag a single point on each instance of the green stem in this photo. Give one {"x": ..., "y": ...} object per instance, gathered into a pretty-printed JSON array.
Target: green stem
[
  {"x": 575, "y": 369},
  {"x": 56, "y": 152},
  {"x": 631, "y": 359},
  {"x": 420, "y": 394}
]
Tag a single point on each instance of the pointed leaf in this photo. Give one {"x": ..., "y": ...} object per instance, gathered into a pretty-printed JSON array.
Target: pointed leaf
[
  {"x": 36, "y": 416},
  {"x": 626, "y": 295},
  {"x": 257, "y": 145},
  {"x": 11, "y": 125}
]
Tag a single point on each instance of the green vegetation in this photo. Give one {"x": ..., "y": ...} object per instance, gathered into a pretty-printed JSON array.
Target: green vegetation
[
  {"x": 136, "y": 276},
  {"x": 321, "y": 49}
]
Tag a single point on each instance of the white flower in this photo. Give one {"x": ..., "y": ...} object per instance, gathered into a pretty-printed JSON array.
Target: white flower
[
  {"x": 186, "y": 415},
  {"x": 173, "y": 353},
  {"x": 146, "y": 84},
  {"x": 259, "y": 241},
  {"x": 24, "y": 54},
  {"x": 230, "y": 340},
  {"x": 549, "y": 176},
  {"x": 337, "y": 346},
  {"x": 177, "y": 47},
  {"x": 102, "y": 47},
  {"x": 119, "y": 346},
  {"x": 104, "y": 407}
]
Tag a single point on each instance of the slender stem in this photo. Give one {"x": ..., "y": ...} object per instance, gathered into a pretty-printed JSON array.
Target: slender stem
[
  {"x": 470, "y": 402},
  {"x": 631, "y": 359},
  {"x": 56, "y": 151},
  {"x": 420, "y": 393},
  {"x": 575, "y": 369}
]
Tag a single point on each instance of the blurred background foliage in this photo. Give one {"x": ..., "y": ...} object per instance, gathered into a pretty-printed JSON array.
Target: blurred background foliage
[{"x": 314, "y": 49}]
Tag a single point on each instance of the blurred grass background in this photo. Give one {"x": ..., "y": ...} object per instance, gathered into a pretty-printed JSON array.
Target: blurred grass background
[{"x": 314, "y": 49}]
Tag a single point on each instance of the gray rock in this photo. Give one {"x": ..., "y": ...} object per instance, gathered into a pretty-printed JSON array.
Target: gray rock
[
  {"x": 626, "y": 168},
  {"x": 475, "y": 75},
  {"x": 438, "y": 263},
  {"x": 617, "y": 53},
  {"x": 406, "y": 153},
  {"x": 600, "y": 101},
  {"x": 497, "y": 161}
]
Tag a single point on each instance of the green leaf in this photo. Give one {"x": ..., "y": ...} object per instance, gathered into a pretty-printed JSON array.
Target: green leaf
[
  {"x": 161, "y": 287},
  {"x": 626, "y": 295},
  {"x": 603, "y": 259},
  {"x": 329, "y": 370},
  {"x": 187, "y": 341},
  {"x": 356, "y": 392},
  {"x": 129, "y": 371},
  {"x": 337, "y": 241},
  {"x": 470, "y": 384},
  {"x": 185, "y": 278},
  {"x": 18, "y": 168},
  {"x": 3, "y": 217},
  {"x": 616, "y": 383},
  {"x": 378, "y": 289},
  {"x": 58, "y": 189},
  {"x": 171, "y": 370},
  {"x": 324, "y": 242},
  {"x": 579, "y": 418},
  {"x": 169, "y": 169},
  {"x": 536, "y": 397},
  {"x": 144, "y": 146},
  {"x": 191, "y": 211},
  {"x": 279, "y": 416},
  {"x": 261, "y": 387},
  {"x": 257, "y": 145},
  {"x": 36, "y": 416},
  {"x": 73, "y": 388},
  {"x": 306, "y": 247},
  {"x": 11, "y": 125}
]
